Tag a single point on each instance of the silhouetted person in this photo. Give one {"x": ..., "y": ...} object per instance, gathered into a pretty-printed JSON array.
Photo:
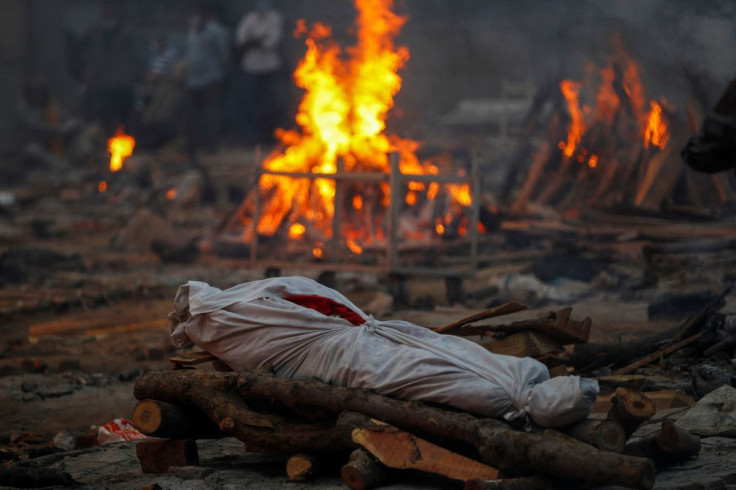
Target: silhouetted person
[
  {"x": 259, "y": 36},
  {"x": 714, "y": 148},
  {"x": 161, "y": 93},
  {"x": 113, "y": 68},
  {"x": 206, "y": 62}
]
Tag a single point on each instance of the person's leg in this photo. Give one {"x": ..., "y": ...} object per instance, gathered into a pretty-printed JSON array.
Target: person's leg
[
  {"x": 192, "y": 105},
  {"x": 211, "y": 95}
]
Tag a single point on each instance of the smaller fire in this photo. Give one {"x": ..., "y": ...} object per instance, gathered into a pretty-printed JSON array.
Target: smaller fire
[
  {"x": 317, "y": 252},
  {"x": 593, "y": 162},
  {"x": 102, "y": 186},
  {"x": 297, "y": 230},
  {"x": 570, "y": 91},
  {"x": 120, "y": 147},
  {"x": 656, "y": 131},
  {"x": 171, "y": 194},
  {"x": 353, "y": 246}
]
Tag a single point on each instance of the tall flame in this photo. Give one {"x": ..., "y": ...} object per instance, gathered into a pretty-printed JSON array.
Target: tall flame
[
  {"x": 570, "y": 91},
  {"x": 120, "y": 147},
  {"x": 656, "y": 131},
  {"x": 341, "y": 119}
]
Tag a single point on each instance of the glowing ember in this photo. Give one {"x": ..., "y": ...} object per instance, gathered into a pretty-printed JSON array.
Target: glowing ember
[
  {"x": 570, "y": 91},
  {"x": 357, "y": 202},
  {"x": 593, "y": 161},
  {"x": 297, "y": 230},
  {"x": 656, "y": 130},
  {"x": 120, "y": 147},
  {"x": 171, "y": 194},
  {"x": 341, "y": 119},
  {"x": 354, "y": 247},
  {"x": 102, "y": 186},
  {"x": 440, "y": 229},
  {"x": 317, "y": 252}
]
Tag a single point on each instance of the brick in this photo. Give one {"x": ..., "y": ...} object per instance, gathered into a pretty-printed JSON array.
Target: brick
[{"x": 158, "y": 455}]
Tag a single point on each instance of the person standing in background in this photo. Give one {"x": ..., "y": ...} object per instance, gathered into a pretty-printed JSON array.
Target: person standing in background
[
  {"x": 206, "y": 65},
  {"x": 258, "y": 36},
  {"x": 113, "y": 67}
]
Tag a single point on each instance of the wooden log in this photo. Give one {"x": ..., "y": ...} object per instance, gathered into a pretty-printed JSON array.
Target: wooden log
[
  {"x": 658, "y": 354},
  {"x": 504, "y": 309},
  {"x": 522, "y": 483},
  {"x": 662, "y": 400},
  {"x": 557, "y": 324},
  {"x": 726, "y": 344},
  {"x": 525, "y": 344},
  {"x": 160, "y": 419},
  {"x": 676, "y": 442},
  {"x": 158, "y": 455},
  {"x": 670, "y": 445},
  {"x": 260, "y": 431},
  {"x": 586, "y": 357},
  {"x": 364, "y": 472},
  {"x": 592, "y": 356},
  {"x": 398, "y": 449},
  {"x": 606, "y": 435},
  {"x": 547, "y": 452},
  {"x": 303, "y": 466},
  {"x": 191, "y": 359},
  {"x": 631, "y": 409}
]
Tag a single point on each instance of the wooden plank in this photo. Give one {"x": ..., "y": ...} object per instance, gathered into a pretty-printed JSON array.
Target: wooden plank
[
  {"x": 504, "y": 309},
  {"x": 524, "y": 344},
  {"x": 398, "y": 449},
  {"x": 192, "y": 359},
  {"x": 661, "y": 399},
  {"x": 658, "y": 354}
]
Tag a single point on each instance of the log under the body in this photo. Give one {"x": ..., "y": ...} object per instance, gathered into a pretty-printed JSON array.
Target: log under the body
[{"x": 545, "y": 452}]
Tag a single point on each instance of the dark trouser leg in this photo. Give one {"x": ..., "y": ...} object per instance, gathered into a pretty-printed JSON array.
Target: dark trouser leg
[
  {"x": 192, "y": 112},
  {"x": 212, "y": 114}
]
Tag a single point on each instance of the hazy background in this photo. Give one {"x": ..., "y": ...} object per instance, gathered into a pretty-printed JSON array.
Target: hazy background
[{"x": 459, "y": 48}]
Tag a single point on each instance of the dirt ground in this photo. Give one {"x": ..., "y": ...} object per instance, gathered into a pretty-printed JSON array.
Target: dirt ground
[{"x": 108, "y": 300}]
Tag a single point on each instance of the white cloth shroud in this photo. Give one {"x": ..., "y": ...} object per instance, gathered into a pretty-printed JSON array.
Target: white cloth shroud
[{"x": 251, "y": 325}]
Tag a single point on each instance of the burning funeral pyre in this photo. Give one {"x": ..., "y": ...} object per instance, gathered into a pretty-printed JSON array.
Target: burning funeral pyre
[
  {"x": 608, "y": 145},
  {"x": 330, "y": 187}
]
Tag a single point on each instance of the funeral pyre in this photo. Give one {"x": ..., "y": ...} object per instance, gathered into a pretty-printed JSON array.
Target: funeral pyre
[{"x": 330, "y": 186}]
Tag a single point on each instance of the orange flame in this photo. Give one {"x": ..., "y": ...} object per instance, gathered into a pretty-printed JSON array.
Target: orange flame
[
  {"x": 171, "y": 194},
  {"x": 656, "y": 131},
  {"x": 341, "y": 119},
  {"x": 102, "y": 186},
  {"x": 297, "y": 230},
  {"x": 570, "y": 91},
  {"x": 620, "y": 93},
  {"x": 353, "y": 246},
  {"x": 120, "y": 147}
]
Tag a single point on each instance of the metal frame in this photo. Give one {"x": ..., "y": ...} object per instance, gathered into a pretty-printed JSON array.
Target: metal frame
[{"x": 395, "y": 179}]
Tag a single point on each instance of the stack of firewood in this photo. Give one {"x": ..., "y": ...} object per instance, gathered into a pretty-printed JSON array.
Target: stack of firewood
[
  {"x": 310, "y": 419},
  {"x": 374, "y": 437}
]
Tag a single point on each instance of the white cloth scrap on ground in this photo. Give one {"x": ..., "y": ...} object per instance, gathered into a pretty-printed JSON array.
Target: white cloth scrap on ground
[{"x": 251, "y": 325}]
